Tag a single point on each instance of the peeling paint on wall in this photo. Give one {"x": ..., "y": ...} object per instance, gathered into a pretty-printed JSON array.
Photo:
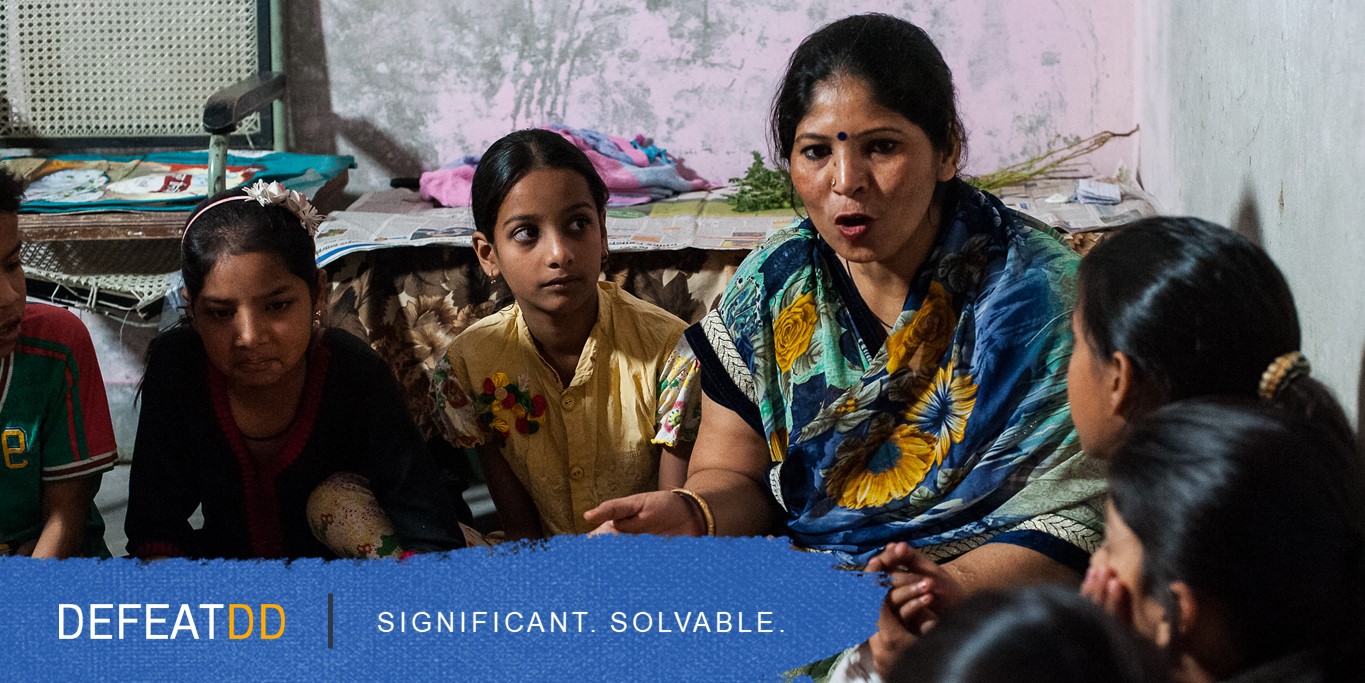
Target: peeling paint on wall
[{"x": 406, "y": 85}]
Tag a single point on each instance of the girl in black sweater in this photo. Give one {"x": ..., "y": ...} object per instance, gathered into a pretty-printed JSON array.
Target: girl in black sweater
[{"x": 253, "y": 405}]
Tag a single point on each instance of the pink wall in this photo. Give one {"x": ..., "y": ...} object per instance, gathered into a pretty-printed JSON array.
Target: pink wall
[{"x": 408, "y": 85}]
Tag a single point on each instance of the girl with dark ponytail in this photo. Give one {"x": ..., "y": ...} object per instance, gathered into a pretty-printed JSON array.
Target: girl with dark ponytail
[
  {"x": 1172, "y": 308},
  {"x": 1246, "y": 507}
]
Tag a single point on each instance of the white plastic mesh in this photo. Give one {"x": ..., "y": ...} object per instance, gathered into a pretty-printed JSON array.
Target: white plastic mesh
[
  {"x": 135, "y": 299},
  {"x": 110, "y": 257},
  {"x": 120, "y": 68},
  {"x": 126, "y": 279}
]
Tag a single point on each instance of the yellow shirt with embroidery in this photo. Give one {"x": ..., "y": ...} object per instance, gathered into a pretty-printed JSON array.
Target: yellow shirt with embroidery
[{"x": 636, "y": 388}]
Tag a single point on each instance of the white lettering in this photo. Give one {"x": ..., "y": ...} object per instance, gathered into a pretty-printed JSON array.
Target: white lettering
[
  {"x": 185, "y": 616},
  {"x": 211, "y": 609},
  {"x": 94, "y": 620},
  {"x": 123, "y": 617},
  {"x": 154, "y": 620},
  {"x": 61, "y": 621}
]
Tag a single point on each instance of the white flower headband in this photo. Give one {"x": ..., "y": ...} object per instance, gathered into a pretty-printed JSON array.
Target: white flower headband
[
  {"x": 272, "y": 193},
  {"x": 275, "y": 193}
]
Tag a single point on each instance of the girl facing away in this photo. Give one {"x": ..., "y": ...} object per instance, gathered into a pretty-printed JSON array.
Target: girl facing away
[
  {"x": 1070, "y": 640},
  {"x": 254, "y": 404},
  {"x": 578, "y": 392},
  {"x": 1169, "y": 308},
  {"x": 1236, "y": 531},
  {"x": 1207, "y": 495},
  {"x": 1173, "y": 308}
]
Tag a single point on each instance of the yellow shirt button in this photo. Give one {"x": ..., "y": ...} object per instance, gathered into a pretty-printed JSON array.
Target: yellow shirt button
[
  {"x": 568, "y": 403},
  {"x": 576, "y": 472}
]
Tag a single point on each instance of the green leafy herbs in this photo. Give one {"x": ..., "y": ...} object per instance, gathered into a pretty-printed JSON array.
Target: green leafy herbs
[{"x": 763, "y": 188}]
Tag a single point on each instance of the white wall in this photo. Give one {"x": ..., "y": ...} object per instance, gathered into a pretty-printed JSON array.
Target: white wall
[
  {"x": 408, "y": 85},
  {"x": 1259, "y": 106}
]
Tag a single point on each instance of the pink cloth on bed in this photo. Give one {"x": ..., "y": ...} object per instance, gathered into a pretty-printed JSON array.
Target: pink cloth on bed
[
  {"x": 449, "y": 186},
  {"x": 628, "y": 183}
]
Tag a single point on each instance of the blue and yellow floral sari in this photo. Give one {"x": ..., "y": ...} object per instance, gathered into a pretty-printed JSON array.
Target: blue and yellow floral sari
[{"x": 949, "y": 431}]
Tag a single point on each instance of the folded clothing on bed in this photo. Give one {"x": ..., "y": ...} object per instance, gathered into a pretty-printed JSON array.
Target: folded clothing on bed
[
  {"x": 635, "y": 171},
  {"x": 168, "y": 181}
]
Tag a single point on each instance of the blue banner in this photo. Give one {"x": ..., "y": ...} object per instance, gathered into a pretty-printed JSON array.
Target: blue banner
[{"x": 611, "y": 608}]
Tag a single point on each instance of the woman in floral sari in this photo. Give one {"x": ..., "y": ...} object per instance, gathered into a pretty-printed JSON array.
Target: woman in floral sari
[{"x": 894, "y": 367}]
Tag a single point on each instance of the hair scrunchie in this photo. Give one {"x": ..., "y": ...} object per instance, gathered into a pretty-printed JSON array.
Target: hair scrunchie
[{"x": 1283, "y": 370}]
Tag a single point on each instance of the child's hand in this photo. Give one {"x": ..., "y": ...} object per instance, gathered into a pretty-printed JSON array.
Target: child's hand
[
  {"x": 1103, "y": 588},
  {"x": 605, "y": 529},
  {"x": 894, "y": 636},
  {"x": 916, "y": 582},
  {"x": 657, "y": 512}
]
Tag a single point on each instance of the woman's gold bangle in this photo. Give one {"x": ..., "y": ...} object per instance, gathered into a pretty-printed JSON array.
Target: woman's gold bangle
[{"x": 701, "y": 505}]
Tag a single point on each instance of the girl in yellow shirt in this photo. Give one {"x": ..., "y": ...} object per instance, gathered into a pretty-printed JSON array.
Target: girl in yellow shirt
[{"x": 578, "y": 392}]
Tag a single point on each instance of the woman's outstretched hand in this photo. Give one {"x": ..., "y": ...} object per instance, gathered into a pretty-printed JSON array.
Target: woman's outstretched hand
[{"x": 657, "y": 512}]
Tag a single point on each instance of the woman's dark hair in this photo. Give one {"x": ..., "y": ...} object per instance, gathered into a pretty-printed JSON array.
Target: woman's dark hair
[
  {"x": 1260, "y": 512},
  {"x": 11, "y": 191},
  {"x": 1041, "y": 633},
  {"x": 898, "y": 61},
  {"x": 1199, "y": 310},
  {"x": 244, "y": 227},
  {"x": 516, "y": 154}
]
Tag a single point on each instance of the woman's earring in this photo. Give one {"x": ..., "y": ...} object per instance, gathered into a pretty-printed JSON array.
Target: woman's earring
[{"x": 317, "y": 320}]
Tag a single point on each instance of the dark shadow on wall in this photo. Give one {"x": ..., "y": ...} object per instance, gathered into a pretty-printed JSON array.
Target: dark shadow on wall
[
  {"x": 396, "y": 160},
  {"x": 1248, "y": 220},
  {"x": 1360, "y": 402},
  {"x": 314, "y": 127},
  {"x": 1247, "y": 223},
  {"x": 309, "y": 94}
]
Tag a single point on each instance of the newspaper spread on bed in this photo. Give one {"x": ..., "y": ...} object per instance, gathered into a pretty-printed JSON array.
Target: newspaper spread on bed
[
  {"x": 1054, "y": 202},
  {"x": 701, "y": 220},
  {"x": 400, "y": 218}
]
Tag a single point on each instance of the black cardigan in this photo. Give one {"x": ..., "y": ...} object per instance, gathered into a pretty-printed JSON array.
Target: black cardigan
[{"x": 189, "y": 452}]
